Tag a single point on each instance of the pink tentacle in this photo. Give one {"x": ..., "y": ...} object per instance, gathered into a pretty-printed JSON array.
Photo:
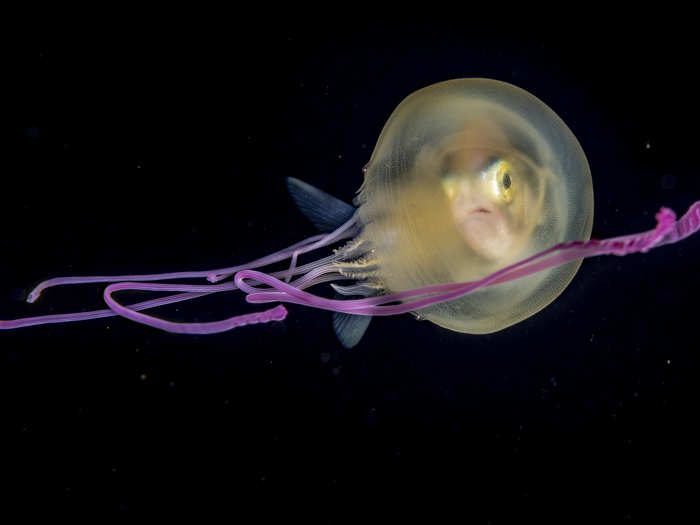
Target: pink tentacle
[
  {"x": 274, "y": 314},
  {"x": 667, "y": 231}
]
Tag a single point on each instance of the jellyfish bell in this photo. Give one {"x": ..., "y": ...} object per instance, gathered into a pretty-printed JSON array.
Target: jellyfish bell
[
  {"x": 469, "y": 176},
  {"x": 475, "y": 212}
]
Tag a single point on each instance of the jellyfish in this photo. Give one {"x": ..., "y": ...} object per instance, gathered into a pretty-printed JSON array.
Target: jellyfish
[{"x": 475, "y": 212}]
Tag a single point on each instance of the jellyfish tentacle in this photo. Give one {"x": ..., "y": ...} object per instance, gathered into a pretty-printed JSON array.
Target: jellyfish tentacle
[
  {"x": 687, "y": 225},
  {"x": 315, "y": 276},
  {"x": 95, "y": 314},
  {"x": 315, "y": 273},
  {"x": 60, "y": 281},
  {"x": 668, "y": 230},
  {"x": 211, "y": 275},
  {"x": 214, "y": 276},
  {"x": 347, "y": 229},
  {"x": 274, "y": 314}
]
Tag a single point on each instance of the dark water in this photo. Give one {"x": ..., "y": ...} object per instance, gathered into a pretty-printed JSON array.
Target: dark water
[{"x": 165, "y": 148}]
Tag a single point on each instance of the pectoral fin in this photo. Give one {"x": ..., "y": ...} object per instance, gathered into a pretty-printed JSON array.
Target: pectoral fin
[{"x": 350, "y": 328}]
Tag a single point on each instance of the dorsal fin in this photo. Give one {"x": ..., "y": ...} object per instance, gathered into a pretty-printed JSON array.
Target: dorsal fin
[
  {"x": 323, "y": 210},
  {"x": 328, "y": 213}
]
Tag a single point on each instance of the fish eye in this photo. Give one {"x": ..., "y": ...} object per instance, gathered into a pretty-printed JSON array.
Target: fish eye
[
  {"x": 506, "y": 180},
  {"x": 500, "y": 180}
]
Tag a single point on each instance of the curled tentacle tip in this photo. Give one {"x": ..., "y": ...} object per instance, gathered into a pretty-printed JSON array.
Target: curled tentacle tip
[
  {"x": 278, "y": 313},
  {"x": 32, "y": 296},
  {"x": 665, "y": 216}
]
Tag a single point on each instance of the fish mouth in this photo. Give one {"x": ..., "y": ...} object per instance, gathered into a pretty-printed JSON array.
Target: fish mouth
[{"x": 485, "y": 229}]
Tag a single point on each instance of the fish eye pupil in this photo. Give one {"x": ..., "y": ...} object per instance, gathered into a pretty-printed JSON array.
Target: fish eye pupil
[{"x": 506, "y": 181}]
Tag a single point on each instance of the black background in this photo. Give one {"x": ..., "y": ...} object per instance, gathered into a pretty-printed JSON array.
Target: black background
[{"x": 163, "y": 146}]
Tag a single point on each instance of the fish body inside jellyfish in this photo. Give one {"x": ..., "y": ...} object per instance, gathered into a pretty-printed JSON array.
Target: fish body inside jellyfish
[{"x": 475, "y": 212}]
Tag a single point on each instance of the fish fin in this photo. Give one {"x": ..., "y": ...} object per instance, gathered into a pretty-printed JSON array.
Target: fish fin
[
  {"x": 323, "y": 210},
  {"x": 350, "y": 328}
]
